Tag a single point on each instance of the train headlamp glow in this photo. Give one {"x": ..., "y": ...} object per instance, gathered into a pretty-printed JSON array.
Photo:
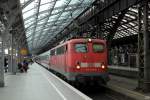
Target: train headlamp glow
[
  {"x": 103, "y": 66},
  {"x": 78, "y": 67},
  {"x": 90, "y": 40}
]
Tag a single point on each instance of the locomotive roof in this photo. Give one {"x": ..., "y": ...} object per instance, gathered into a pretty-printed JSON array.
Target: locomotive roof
[
  {"x": 79, "y": 40},
  {"x": 86, "y": 39}
]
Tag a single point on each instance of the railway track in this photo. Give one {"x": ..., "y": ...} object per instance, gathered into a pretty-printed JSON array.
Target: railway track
[{"x": 99, "y": 92}]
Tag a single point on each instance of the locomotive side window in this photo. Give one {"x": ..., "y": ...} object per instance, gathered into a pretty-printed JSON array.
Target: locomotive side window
[
  {"x": 65, "y": 47},
  {"x": 81, "y": 48},
  {"x": 58, "y": 51},
  {"x": 52, "y": 52},
  {"x": 98, "y": 48},
  {"x": 61, "y": 50}
]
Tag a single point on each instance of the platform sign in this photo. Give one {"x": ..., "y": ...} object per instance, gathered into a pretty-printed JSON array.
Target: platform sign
[{"x": 23, "y": 51}]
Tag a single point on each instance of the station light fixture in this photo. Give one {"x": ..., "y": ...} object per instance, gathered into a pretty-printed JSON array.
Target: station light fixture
[{"x": 6, "y": 51}]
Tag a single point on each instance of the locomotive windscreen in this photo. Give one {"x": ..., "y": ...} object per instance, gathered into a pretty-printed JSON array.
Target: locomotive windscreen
[
  {"x": 81, "y": 47},
  {"x": 98, "y": 48}
]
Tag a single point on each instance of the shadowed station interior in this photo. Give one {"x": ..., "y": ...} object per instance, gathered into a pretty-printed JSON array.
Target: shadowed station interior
[{"x": 75, "y": 49}]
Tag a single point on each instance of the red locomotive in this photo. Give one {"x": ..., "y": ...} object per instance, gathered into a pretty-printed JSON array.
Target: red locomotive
[{"x": 81, "y": 60}]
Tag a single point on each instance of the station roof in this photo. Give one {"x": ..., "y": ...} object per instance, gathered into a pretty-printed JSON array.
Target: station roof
[
  {"x": 44, "y": 19},
  {"x": 129, "y": 23},
  {"x": 128, "y": 27},
  {"x": 11, "y": 22}
]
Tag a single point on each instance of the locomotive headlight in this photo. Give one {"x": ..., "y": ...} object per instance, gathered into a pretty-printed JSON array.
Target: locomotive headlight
[
  {"x": 78, "y": 67},
  {"x": 103, "y": 66},
  {"x": 90, "y": 40}
]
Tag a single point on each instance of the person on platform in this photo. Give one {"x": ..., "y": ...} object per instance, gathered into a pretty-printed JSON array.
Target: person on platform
[
  {"x": 25, "y": 65},
  {"x": 20, "y": 67},
  {"x": 6, "y": 65}
]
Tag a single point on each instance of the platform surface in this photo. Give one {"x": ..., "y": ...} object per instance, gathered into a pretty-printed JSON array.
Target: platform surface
[
  {"x": 127, "y": 86},
  {"x": 38, "y": 84}
]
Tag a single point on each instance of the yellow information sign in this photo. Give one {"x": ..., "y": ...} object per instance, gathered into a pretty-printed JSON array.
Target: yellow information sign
[{"x": 23, "y": 51}]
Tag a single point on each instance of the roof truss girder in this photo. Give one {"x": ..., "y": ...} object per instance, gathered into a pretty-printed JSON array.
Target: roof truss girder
[{"x": 27, "y": 3}]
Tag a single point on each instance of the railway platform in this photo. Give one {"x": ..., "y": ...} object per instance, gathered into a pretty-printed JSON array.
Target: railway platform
[
  {"x": 126, "y": 71},
  {"x": 127, "y": 87},
  {"x": 38, "y": 84}
]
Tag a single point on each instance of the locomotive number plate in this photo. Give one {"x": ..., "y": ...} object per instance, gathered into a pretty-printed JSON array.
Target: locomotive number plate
[
  {"x": 90, "y": 64},
  {"x": 84, "y": 64},
  {"x": 97, "y": 64}
]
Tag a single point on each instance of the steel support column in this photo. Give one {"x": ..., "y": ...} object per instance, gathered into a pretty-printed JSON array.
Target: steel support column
[
  {"x": 2, "y": 63},
  {"x": 113, "y": 30},
  {"x": 12, "y": 55},
  {"x": 100, "y": 34},
  {"x": 18, "y": 52},
  {"x": 146, "y": 48},
  {"x": 140, "y": 50},
  {"x": 9, "y": 57},
  {"x": 144, "y": 43}
]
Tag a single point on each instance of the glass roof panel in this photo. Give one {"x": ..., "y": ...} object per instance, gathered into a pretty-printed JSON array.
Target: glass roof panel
[
  {"x": 45, "y": 1},
  {"x": 28, "y": 8},
  {"x": 134, "y": 10},
  {"x": 86, "y": 1},
  {"x": 28, "y": 34},
  {"x": 60, "y": 3},
  {"x": 52, "y": 17},
  {"x": 27, "y": 14},
  {"x": 130, "y": 16},
  {"x": 28, "y": 24},
  {"x": 29, "y": 38},
  {"x": 56, "y": 11},
  {"x": 44, "y": 7},
  {"x": 74, "y": 2},
  {"x": 132, "y": 24},
  {"x": 41, "y": 22},
  {"x": 44, "y": 18},
  {"x": 76, "y": 13}
]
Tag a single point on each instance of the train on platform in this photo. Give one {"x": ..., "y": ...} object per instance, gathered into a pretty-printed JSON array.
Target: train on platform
[{"x": 78, "y": 60}]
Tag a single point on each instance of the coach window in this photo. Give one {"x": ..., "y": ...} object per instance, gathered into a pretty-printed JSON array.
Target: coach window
[
  {"x": 62, "y": 50},
  {"x": 58, "y": 51},
  {"x": 81, "y": 48},
  {"x": 65, "y": 48},
  {"x": 98, "y": 48},
  {"x": 52, "y": 52}
]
